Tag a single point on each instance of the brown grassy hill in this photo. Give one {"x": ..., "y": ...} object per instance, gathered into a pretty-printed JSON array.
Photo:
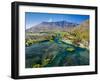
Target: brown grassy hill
[{"x": 82, "y": 31}]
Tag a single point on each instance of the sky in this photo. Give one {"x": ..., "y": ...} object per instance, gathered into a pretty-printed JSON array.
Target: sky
[{"x": 33, "y": 18}]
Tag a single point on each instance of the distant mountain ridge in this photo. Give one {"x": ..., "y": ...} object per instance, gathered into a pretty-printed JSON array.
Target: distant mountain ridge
[
  {"x": 45, "y": 26},
  {"x": 60, "y": 24}
]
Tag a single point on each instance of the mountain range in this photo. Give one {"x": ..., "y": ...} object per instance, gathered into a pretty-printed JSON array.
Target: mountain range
[{"x": 51, "y": 26}]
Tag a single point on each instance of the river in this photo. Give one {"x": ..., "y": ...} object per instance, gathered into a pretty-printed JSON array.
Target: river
[{"x": 58, "y": 52}]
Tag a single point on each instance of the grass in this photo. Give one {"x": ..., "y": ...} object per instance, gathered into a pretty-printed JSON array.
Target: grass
[{"x": 70, "y": 49}]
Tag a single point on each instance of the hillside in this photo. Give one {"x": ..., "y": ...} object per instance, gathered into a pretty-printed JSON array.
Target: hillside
[
  {"x": 81, "y": 34},
  {"x": 52, "y": 26}
]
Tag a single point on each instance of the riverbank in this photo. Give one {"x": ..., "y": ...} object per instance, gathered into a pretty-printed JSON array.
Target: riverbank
[{"x": 80, "y": 44}]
